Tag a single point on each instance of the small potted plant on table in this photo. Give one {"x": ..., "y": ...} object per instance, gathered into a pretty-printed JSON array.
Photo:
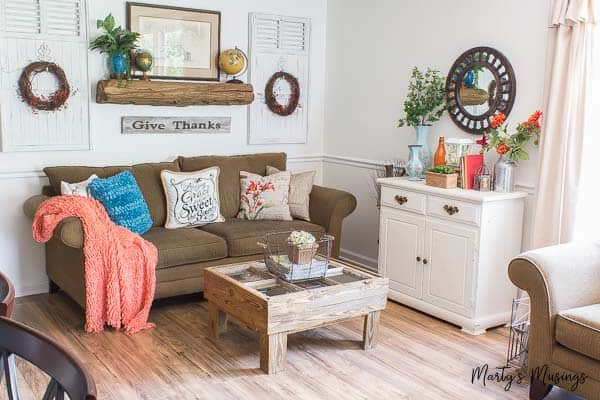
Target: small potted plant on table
[
  {"x": 442, "y": 176},
  {"x": 302, "y": 247}
]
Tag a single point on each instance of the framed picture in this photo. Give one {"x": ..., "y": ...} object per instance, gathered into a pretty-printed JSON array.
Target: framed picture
[{"x": 184, "y": 42}]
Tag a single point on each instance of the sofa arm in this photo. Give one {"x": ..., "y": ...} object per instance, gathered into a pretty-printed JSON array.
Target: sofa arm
[
  {"x": 556, "y": 279},
  {"x": 32, "y": 204},
  {"x": 69, "y": 231},
  {"x": 328, "y": 208}
]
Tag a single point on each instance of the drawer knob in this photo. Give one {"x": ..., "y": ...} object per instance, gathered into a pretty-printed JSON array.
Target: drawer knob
[
  {"x": 425, "y": 261},
  {"x": 418, "y": 259},
  {"x": 400, "y": 199},
  {"x": 451, "y": 210}
]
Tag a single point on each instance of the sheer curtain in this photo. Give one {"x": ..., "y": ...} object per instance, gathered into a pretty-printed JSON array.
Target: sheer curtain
[{"x": 565, "y": 169}]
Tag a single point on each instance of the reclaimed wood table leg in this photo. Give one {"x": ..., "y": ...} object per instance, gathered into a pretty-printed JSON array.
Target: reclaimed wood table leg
[
  {"x": 273, "y": 352},
  {"x": 371, "y": 330},
  {"x": 217, "y": 321}
]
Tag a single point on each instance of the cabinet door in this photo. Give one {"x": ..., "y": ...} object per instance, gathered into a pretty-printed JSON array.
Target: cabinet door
[
  {"x": 400, "y": 247},
  {"x": 449, "y": 267}
]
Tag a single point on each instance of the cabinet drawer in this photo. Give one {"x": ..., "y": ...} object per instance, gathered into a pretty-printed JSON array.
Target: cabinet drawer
[
  {"x": 403, "y": 200},
  {"x": 453, "y": 209}
]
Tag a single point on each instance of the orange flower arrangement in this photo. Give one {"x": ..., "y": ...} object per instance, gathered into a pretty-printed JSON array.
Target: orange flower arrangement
[
  {"x": 508, "y": 145},
  {"x": 497, "y": 120}
]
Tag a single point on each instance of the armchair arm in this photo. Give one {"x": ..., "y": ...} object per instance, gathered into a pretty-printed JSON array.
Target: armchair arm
[
  {"x": 556, "y": 278},
  {"x": 68, "y": 231},
  {"x": 328, "y": 208}
]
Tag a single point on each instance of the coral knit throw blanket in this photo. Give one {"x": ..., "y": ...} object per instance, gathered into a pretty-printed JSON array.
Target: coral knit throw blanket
[{"x": 119, "y": 264}]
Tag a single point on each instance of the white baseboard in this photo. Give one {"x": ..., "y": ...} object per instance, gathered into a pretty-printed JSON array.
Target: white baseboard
[
  {"x": 359, "y": 259},
  {"x": 28, "y": 290}
]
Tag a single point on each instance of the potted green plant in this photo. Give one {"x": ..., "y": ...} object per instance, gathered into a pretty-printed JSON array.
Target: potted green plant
[
  {"x": 442, "y": 176},
  {"x": 302, "y": 247},
  {"x": 424, "y": 105},
  {"x": 117, "y": 43}
]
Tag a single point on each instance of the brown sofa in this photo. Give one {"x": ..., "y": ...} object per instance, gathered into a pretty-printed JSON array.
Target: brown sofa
[
  {"x": 563, "y": 283},
  {"x": 184, "y": 253}
]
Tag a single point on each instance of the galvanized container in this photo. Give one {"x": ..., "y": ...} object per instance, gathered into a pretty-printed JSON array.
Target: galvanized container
[{"x": 505, "y": 172}]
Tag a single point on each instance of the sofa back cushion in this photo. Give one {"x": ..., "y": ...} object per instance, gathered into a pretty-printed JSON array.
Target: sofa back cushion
[
  {"x": 146, "y": 175},
  {"x": 229, "y": 179}
]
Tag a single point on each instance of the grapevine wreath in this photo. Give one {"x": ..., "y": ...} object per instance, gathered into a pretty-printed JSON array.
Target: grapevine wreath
[
  {"x": 55, "y": 100},
  {"x": 271, "y": 98}
]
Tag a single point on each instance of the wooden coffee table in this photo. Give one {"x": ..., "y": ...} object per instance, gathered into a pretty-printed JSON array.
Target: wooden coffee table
[{"x": 275, "y": 308}]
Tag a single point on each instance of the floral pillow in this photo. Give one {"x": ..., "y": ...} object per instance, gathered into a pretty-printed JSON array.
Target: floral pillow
[{"x": 264, "y": 197}]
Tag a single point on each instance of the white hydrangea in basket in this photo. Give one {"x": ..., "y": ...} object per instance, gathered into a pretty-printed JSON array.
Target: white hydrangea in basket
[{"x": 302, "y": 247}]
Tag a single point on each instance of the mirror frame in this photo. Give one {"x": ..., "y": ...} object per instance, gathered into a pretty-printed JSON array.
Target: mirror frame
[{"x": 506, "y": 88}]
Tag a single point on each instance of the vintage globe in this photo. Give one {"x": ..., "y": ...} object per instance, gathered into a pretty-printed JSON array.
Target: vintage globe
[
  {"x": 233, "y": 62},
  {"x": 144, "y": 60}
]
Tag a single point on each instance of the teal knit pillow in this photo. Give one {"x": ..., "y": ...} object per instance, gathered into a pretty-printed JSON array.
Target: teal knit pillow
[{"x": 123, "y": 200}]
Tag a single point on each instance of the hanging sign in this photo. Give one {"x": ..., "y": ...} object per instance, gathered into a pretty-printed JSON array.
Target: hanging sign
[{"x": 175, "y": 125}]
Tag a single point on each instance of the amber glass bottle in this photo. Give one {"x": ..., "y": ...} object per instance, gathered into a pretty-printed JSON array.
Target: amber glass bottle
[{"x": 440, "y": 154}]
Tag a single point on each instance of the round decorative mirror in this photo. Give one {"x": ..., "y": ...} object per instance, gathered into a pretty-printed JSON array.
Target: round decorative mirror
[{"x": 480, "y": 84}]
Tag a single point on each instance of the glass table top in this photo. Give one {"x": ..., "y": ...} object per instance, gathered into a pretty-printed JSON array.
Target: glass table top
[{"x": 259, "y": 278}]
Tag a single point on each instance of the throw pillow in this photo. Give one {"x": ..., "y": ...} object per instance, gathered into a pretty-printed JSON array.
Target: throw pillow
[
  {"x": 192, "y": 197},
  {"x": 123, "y": 200},
  {"x": 78, "y": 188},
  {"x": 300, "y": 187},
  {"x": 264, "y": 197}
]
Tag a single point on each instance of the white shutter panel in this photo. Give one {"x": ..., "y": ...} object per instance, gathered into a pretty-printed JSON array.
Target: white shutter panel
[
  {"x": 22, "y": 16},
  {"x": 278, "y": 43},
  {"x": 46, "y": 30},
  {"x": 63, "y": 17}
]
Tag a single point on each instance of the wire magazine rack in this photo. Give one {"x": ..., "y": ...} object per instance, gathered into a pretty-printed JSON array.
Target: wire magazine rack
[
  {"x": 519, "y": 332},
  {"x": 297, "y": 263}
]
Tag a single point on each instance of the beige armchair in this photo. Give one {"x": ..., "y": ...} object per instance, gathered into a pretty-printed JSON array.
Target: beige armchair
[{"x": 563, "y": 283}]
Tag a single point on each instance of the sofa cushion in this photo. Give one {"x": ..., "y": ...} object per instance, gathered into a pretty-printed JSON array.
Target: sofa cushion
[
  {"x": 229, "y": 179},
  {"x": 242, "y": 235},
  {"x": 146, "y": 175},
  {"x": 185, "y": 246},
  {"x": 123, "y": 201},
  {"x": 579, "y": 330}
]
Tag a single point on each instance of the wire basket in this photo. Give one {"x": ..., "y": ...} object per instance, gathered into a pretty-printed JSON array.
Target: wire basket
[
  {"x": 297, "y": 263},
  {"x": 519, "y": 333}
]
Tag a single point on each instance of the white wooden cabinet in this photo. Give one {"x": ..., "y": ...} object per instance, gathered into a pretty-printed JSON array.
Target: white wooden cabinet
[{"x": 446, "y": 251}]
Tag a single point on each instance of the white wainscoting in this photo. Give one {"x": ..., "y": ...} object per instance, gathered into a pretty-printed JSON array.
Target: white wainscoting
[{"x": 23, "y": 259}]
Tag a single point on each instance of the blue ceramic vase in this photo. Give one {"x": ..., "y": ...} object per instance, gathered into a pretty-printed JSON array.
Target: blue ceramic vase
[{"x": 119, "y": 63}]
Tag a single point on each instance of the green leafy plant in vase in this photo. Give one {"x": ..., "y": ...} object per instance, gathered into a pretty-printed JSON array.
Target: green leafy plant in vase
[
  {"x": 424, "y": 105},
  {"x": 117, "y": 42}
]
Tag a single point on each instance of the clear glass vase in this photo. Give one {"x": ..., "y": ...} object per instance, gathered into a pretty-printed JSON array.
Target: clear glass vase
[
  {"x": 505, "y": 172},
  {"x": 415, "y": 167},
  {"x": 422, "y": 132}
]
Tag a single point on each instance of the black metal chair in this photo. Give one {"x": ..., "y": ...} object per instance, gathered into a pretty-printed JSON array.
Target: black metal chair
[
  {"x": 7, "y": 296},
  {"x": 67, "y": 374}
]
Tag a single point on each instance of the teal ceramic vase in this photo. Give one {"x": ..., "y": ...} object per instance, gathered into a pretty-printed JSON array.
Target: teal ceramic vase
[{"x": 422, "y": 132}]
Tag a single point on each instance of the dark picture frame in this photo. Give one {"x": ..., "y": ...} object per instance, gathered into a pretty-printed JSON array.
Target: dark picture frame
[{"x": 184, "y": 42}]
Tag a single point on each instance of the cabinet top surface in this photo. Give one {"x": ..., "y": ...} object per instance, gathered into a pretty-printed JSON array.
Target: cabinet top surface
[{"x": 472, "y": 195}]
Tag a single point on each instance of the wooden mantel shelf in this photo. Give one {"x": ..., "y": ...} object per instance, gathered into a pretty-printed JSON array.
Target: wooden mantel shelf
[{"x": 162, "y": 93}]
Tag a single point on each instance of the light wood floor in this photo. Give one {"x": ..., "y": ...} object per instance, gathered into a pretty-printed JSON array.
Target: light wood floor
[{"x": 418, "y": 357}]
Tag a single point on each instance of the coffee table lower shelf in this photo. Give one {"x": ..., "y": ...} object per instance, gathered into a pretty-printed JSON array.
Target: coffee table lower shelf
[{"x": 239, "y": 291}]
